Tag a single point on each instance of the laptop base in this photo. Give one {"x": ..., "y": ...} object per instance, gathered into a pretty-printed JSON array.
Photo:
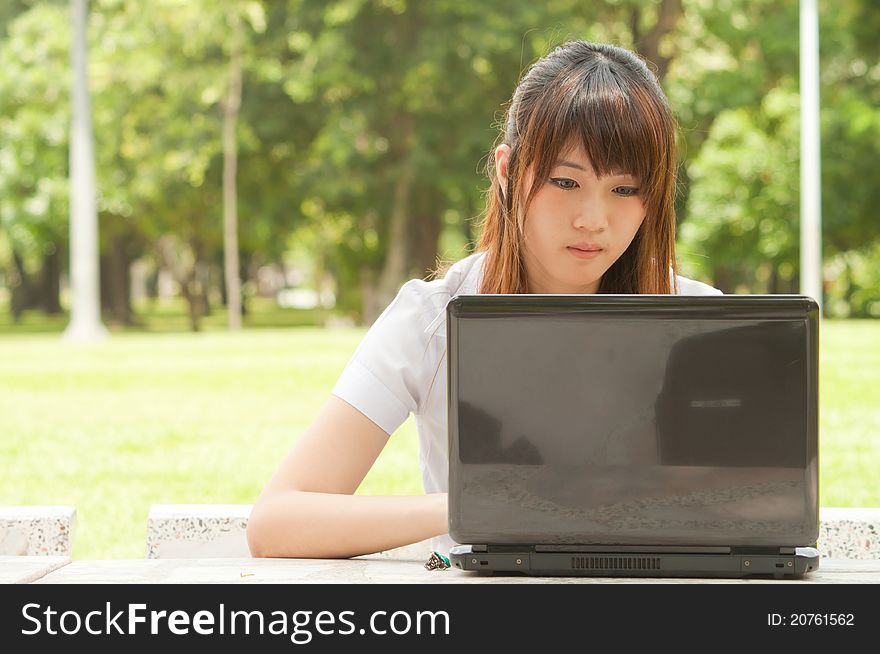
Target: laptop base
[{"x": 789, "y": 563}]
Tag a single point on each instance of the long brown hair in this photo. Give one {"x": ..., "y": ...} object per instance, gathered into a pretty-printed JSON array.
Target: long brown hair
[{"x": 605, "y": 99}]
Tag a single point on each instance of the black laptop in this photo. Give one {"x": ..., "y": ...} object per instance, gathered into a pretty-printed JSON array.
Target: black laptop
[{"x": 633, "y": 435}]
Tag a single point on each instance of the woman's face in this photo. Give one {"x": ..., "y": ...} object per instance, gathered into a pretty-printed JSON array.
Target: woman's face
[{"x": 575, "y": 209}]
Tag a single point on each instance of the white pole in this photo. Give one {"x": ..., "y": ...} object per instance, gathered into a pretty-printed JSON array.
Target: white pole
[
  {"x": 811, "y": 176},
  {"x": 85, "y": 304}
]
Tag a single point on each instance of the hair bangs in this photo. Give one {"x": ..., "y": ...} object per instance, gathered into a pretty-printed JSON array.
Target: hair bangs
[
  {"x": 610, "y": 127},
  {"x": 601, "y": 113}
]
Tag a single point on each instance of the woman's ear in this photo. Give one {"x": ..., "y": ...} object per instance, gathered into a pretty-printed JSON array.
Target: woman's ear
[{"x": 502, "y": 159}]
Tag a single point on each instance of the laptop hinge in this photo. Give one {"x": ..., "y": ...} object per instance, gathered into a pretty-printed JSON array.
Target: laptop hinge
[{"x": 478, "y": 548}]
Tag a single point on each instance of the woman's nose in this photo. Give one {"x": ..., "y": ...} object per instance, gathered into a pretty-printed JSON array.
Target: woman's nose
[{"x": 592, "y": 215}]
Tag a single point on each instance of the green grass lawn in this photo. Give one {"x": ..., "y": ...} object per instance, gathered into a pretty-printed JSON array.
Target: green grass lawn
[{"x": 155, "y": 418}]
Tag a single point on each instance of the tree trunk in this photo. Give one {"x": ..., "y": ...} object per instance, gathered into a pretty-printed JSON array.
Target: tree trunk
[
  {"x": 850, "y": 287},
  {"x": 20, "y": 286},
  {"x": 36, "y": 290},
  {"x": 649, "y": 44},
  {"x": 202, "y": 280},
  {"x": 248, "y": 269},
  {"x": 397, "y": 256},
  {"x": 192, "y": 303},
  {"x": 424, "y": 234},
  {"x": 187, "y": 280},
  {"x": 197, "y": 280},
  {"x": 104, "y": 285},
  {"x": 51, "y": 282},
  {"x": 119, "y": 261},
  {"x": 372, "y": 308},
  {"x": 224, "y": 300}
]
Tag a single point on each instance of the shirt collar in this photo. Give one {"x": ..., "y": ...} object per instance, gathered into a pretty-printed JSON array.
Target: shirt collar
[{"x": 463, "y": 278}]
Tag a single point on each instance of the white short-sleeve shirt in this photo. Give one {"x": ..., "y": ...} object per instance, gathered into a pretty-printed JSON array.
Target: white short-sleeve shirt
[{"x": 399, "y": 367}]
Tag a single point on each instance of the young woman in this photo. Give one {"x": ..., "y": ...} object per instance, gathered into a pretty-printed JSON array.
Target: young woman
[{"x": 582, "y": 196}]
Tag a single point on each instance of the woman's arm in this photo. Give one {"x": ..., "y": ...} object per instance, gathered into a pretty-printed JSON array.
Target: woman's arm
[{"x": 308, "y": 508}]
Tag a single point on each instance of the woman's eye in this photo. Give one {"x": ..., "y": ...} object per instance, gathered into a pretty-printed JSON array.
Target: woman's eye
[
  {"x": 626, "y": 191},
  {"x": 563, "y": 183}
]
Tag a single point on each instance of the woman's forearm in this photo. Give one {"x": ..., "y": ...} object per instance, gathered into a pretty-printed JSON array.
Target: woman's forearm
[{"x": 324, "y": 525}]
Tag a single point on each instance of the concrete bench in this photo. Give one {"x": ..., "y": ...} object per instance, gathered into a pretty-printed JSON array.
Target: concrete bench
[
  {"x": 849, "y": 533},
  {"x": 36, "y": 530},
  {"x": 186, "y": 531},
  {"x": 218, "y": 530}
]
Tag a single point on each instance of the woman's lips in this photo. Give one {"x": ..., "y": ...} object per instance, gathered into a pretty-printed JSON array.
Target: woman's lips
[{"x": 584, "y": 254}]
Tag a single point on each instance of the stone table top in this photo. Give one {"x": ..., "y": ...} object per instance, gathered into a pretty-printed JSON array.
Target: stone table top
[
  {"x": 375, "y": 569},
  {"x": 26, "y": 569}
]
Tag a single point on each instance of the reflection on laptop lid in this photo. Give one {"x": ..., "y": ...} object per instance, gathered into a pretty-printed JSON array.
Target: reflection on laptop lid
[{"x": 623, "y": 435}]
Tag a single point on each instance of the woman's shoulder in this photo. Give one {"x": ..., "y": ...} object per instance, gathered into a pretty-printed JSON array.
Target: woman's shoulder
[
  {"x": 431, "y": 296},
  {"x": 395, "y": 363},
  {"x": 460, "y": 278},
  {"x": 688, "y": 286}
]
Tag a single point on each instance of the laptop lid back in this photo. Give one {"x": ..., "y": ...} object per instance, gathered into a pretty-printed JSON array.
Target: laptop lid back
[{"x": 633, "y": 420}]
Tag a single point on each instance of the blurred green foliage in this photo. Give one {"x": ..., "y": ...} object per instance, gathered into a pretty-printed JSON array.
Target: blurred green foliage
[{"x": 366, "y": 125}]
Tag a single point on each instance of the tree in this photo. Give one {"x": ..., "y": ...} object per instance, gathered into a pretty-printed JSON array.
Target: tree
[
  {"x": 34, "y": 123},
  {"x": 742, "y": 231},
  {"x": 410, "y": 92}
]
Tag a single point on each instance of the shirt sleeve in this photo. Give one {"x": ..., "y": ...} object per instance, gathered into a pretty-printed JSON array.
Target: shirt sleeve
[
  {"x": 693, "y": 287},
  {"x": 386, "y": 375}
]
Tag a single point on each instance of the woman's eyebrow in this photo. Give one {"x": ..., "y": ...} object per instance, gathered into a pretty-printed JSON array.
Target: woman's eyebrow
[
  {"x": 573, "y": 164},
  {"x": 570, "y": 164}
]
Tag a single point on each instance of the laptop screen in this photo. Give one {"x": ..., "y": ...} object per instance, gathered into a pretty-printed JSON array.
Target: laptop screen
[{"x": 633, "y": 420}]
